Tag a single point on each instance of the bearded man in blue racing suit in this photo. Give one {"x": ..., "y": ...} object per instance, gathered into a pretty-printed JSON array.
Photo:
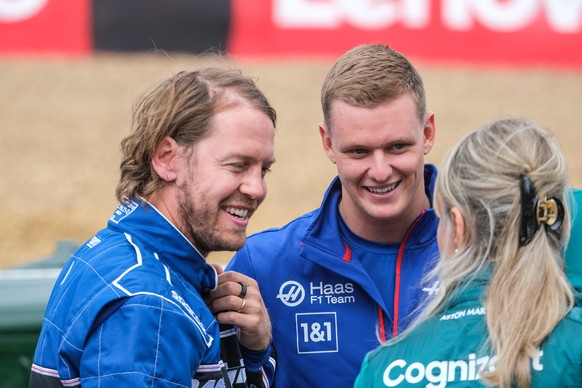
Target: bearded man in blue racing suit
[
  {"x": 339, "y": 279},
  {"x": 128, "y": 309}
]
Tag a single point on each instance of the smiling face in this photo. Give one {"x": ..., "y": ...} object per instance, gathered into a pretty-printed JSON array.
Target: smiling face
[
  {"x": 379, "y": 154},
  {"x": 221, "y": 181}
]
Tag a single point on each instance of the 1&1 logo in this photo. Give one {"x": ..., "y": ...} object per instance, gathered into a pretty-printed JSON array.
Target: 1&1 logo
[{"x": 291, "y": 293}]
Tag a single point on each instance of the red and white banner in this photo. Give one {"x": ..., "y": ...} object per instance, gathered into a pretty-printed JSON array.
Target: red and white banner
[
  {"x": 45, "y": 26},
  {"x": 511, "y": 32},
  {"x": 494, "y": 32}
]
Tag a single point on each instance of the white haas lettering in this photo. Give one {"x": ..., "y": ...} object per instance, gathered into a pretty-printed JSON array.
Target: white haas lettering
[
  {"x": 338, "y": 293},
  {"x": 562, "y": 16},
  {"x": 331, "y": 289}
]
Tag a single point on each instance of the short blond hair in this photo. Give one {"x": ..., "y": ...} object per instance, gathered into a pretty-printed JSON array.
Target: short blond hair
[{"x": 369, "y": 75}]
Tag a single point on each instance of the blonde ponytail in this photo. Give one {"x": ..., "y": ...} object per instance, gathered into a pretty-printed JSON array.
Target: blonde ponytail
[{"x": 528, "y": 293}]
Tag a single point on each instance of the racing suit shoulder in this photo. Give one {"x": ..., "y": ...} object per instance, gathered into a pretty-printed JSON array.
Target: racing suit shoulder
[{"x": 110, "y": 281}]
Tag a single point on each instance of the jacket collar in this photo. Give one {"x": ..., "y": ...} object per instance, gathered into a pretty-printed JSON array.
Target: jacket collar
[
  {"x": 470, "y": 290},
  {"x": 148, "y": 225},
  {"x": 327, "y": 218}
]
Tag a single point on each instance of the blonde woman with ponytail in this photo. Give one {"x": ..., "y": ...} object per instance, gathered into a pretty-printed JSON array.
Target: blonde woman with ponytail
[{"x": 504, "y": 315}]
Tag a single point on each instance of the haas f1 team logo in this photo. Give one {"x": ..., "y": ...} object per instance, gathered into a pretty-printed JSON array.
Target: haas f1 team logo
[{"x": 291, "y": 293}]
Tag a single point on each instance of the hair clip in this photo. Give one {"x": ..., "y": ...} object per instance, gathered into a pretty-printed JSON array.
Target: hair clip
[
  {"x": 529, "y": 223},
  {"x": 550, "y": 212},
  {"x": 534, "y": 213}
]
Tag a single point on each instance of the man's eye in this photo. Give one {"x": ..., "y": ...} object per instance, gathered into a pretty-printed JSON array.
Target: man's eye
[
  {"x": 239, "y": 166},
  {"x": 359, "y": 151},
  {"x": 399, "y": 146}
]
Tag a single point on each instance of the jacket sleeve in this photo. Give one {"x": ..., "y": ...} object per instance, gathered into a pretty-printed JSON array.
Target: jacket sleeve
[{"x": 260, "y": 366}]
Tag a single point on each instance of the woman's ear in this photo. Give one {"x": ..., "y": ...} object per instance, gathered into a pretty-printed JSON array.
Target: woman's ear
[
  {"x": 458, "y": 223},
  {"x": 164, "y": 159}
]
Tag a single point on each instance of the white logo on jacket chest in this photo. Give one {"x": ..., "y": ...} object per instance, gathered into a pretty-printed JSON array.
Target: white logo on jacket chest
[
  {"x": 183, "y": 303},
  {"x": 433, "y": 289},
  {"x": 292, "y": 293},
  {"x": 337, "y": 293},
  {"x": 316, "y": 332}
]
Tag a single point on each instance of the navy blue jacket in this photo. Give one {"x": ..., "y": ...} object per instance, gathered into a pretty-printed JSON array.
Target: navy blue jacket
[{"x": 325, "y": 310}]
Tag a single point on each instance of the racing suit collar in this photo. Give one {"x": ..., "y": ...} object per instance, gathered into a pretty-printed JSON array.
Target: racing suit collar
[{"x": 150, "y": 226}]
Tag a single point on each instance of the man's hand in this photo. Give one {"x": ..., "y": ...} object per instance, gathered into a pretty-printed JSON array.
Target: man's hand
[{"x": 237, "y": 301}]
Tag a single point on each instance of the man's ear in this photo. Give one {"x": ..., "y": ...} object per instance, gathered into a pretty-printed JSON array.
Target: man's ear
[
  {"x": 429, "y": 132},
  {"x": 326, "y": 142},
  {"x": 458, "y": 227},
  {"x": 165, "y": 159}
]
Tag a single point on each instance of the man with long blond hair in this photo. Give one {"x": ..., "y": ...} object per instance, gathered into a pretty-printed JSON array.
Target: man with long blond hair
[{"x": 128, "y": 309}]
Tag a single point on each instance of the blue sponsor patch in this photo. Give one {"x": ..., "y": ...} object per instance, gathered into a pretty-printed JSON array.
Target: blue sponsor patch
[
  {"x": 123, "y": 211},
  {"x": 316, "y": 332}
]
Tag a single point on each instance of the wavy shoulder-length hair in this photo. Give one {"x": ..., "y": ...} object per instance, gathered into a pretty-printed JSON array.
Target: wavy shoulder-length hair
[{"x": 181, "y": 107}]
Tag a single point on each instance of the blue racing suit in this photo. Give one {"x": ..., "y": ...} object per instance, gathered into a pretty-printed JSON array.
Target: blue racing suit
[
  {"x": 325, "y": 308},
  {"x": 127, "y": 311}
]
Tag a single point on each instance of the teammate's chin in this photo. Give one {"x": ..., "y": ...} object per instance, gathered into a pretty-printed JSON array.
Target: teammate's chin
[{"x": 384, "y": 213}]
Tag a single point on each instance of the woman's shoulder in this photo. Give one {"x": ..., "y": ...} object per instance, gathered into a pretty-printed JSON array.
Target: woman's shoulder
[
  {"x": 442, "y": 335},
  {"x": 572, "y": 321},
  {"x": 566, "y": 335}
]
